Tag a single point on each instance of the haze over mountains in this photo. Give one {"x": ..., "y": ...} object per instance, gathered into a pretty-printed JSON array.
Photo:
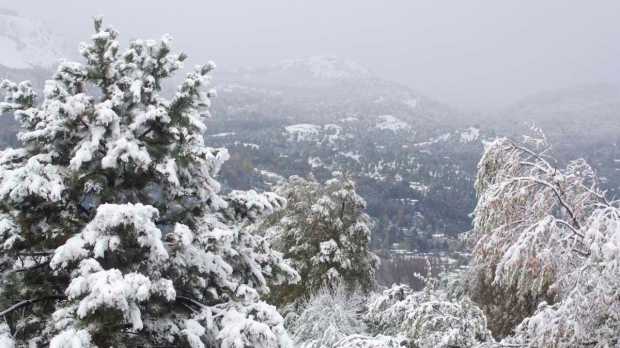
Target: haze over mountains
[{"x": 411, "y": 154}]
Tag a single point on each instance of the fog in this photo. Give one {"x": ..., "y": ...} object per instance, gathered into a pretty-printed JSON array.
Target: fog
[{"x": 476, "y": 54}]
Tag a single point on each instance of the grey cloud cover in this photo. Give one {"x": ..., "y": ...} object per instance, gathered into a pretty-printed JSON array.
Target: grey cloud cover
[{"x": 476, "y": 54}]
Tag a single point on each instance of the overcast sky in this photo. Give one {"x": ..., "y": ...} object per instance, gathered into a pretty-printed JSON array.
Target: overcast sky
[{"x": 475, "y": 54}]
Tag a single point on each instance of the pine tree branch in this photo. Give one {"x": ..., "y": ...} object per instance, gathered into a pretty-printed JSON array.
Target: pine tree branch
[
  {"x": 27, "y": 269},
  {"x": 24, "y": 303},
  {"x": 37, "y": 253},
  {"x": 190, "y": 301},
  {"x": 146, "y": 132}
]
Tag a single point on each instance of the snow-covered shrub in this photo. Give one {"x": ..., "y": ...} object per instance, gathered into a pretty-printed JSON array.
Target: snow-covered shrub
[
  {"x": 332, "y": 318},
  {"x": 527, "y": 228},
  {"x": 325, "y": 233},
  {"x": 442, "y": 324},
  {"x": 426, "y": 318},
  {"x": 326, "y": 318},
  {"x": 112, "y": 228},
  {"x": 387, "y": 310},
  {"x": 379, "y": 341}
]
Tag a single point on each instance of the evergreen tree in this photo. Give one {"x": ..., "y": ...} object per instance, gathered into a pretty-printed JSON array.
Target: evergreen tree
[
  {"x": 112, "y": 228},
  {"x": 325, "y": 233}
]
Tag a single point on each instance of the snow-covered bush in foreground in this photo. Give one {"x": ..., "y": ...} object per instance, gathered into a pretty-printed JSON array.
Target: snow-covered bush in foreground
[
  {"x": 325, "y": 319},
  {"x": 386, "y": 311},
  {"x": 397, "y": 317},
  {"x": 112, "y": 229},
  {"x": 325, "y": 233},
  {"x": 441, "y": 323},
  {"x": 332, "y": 319},
  {"x": 427, "y": 318},
  {"x": 379, "y": 341}
]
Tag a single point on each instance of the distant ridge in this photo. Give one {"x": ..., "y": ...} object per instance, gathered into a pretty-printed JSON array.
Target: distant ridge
[{"x": 28, "y": 44}]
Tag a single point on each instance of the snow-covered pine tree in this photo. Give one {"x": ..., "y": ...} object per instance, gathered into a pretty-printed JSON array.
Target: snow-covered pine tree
[
  {"x": 325, "y": 233},
  {"x": 528, "y": 228},
  {"x": 112, "y": 229}
]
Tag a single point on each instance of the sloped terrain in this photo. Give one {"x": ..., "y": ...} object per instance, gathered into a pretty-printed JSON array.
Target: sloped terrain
[
  {"x": 579, "y": 122},
  {"x": 28, "y": 51},
  {"x": 413, "y": 158},
  {"x": 412, "y": 162}
]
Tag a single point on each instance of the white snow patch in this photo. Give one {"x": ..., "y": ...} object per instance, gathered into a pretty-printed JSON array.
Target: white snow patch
[
  {"x": 335, "y": 132},
  {"x": 348, "y": 119},
  {"x": 302, "y": 132},
  {"x": 441, "y": 138},
  {"x": 315, "y": 162},
  {"x": 221, "y": 135},
  {"x": 470, "y": 134},
  {"x": 271, "y": 177},
  {"x": 389, "y": 122},
  {"x": 252, "y": 146},
  {"x": 354, "y": 156},
  {"x": 419, "y": 187}
]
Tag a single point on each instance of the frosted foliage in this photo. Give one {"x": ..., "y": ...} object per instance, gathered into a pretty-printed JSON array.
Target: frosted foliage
[
  {"x": 72, "y": 338},
  {"x": 326, "y": 319},
  {"x": 324, "y": 232},
  {"x": 113, "y": 199},
  {"x": 193, "y": 331},
  {"x": 337, "y": 318},
  {"x": 6, "y": 340},
  {"x": 9, "y": 232},
  {"x": 548, "y": 239},
  {"x": 99, "y": 234},
  {"x": 387, "y": 310},
  {"x": 587, "y": 313},
  {"x": 427, "y": 318},
  {"x": 114, "y": 229},
  {"x": 527, "y": 226},
  {"x": 36, "y": 179},
  {"x": 111, "y": 290},
  {"x": 19, "y": 96},
  {"x": 446, "y": 324},
  {"x": 252, "y": 205},
  {"x": 258, "y": 325},
  {"x": 361, "y": 341}
]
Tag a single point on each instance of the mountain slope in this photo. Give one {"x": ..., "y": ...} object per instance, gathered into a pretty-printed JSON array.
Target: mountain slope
[
  {"x": 582, "y": 121},
  {"x": 414, "y": 159},
  {"x": 413, "y": 163},
  {"x": 28, "y": 51},
  {"x": 27, "y": 44}
]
